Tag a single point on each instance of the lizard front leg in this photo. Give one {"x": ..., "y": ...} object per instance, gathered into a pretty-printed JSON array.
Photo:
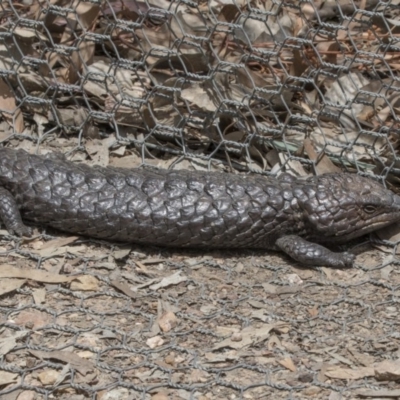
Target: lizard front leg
[
  {"x": 314, "y": 254},
  {"x": 10, "y": 215}
]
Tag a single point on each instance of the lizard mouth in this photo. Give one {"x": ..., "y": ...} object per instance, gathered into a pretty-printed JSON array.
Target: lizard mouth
[{"x": 377, "y": 223}]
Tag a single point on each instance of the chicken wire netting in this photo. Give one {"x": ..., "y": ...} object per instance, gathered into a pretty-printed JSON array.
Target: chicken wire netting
[{"x": 237, "y": 86}]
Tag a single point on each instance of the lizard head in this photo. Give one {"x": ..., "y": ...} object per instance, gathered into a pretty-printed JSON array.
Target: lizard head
[{"x": 340, "y": 207}]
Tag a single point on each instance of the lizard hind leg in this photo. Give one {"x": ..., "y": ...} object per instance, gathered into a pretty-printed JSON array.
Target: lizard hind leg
[
  {"x": 10, "y": 215},
  {"x": 313, "y": 254}
]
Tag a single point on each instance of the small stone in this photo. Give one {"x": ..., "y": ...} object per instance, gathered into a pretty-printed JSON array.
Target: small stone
[
  {"x": 167, "y": 321},
  {"x": 236, "y": 337},
  {"x": 154, "y": 342},
  {"x": 170, "y": 359},
  {"x": 48, "y": 377}
]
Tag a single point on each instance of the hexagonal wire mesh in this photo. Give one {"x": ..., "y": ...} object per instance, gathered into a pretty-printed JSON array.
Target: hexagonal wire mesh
[{"x": 260, "y": 86}]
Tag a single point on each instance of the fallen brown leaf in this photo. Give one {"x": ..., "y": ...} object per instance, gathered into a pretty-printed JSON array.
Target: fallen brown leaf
[
  {"x": 173, "y": 279},
  {"x": 59, "y": 242},
  {"x": 76, "y": 362},
  {"x": 9, "y": 342},
  {"x": 7, "y": 378},
  {"x": 387, "y": 370},
  {"x": 7, "y": 271},
  {"x": 11, "y": 113},
  {"x": 124, "y": 288},
  {"x": 313, "y": 311},
  {"x": 9, "y": 285},
  {"x": 337, "y": 372},
  {"x": 288, "y": 363},
  {"x": 252, "y": 336},
  {"x": 39, "y": 295},
  {"x": 324, "y": 164},
  {"x": 383, "y": 393}
]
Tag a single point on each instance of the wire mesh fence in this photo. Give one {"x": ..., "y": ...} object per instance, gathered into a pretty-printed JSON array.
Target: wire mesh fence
[{"x": 236, "y": 86}]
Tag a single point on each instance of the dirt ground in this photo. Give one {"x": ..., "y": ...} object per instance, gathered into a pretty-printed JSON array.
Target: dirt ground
[{"x": 82, "y": 319}]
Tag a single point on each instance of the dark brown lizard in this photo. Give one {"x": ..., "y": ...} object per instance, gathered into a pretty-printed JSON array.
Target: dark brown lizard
[{"x": 194, "y": 209}]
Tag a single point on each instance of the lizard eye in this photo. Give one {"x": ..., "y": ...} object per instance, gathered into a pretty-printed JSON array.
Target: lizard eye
[{"x": 369, "y": 208}]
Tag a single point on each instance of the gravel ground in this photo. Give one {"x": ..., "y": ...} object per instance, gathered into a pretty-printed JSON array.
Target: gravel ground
[{"x": 83, "y": 319}]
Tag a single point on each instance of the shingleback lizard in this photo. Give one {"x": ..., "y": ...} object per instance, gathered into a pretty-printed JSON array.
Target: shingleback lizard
[{"x": 194, "y": 208}]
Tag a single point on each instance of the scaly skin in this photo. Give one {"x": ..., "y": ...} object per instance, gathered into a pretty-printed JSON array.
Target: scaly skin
[{"x": 194, "y": 209}]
